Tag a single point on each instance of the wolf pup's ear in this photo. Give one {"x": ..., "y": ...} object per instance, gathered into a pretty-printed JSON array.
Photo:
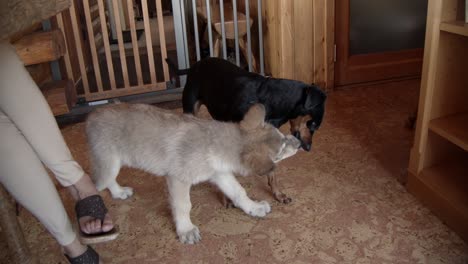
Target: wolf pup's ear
[{"x": 254, "y": 118}]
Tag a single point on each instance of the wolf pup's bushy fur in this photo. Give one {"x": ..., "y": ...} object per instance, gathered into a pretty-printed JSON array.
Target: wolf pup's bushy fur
[{"x": 187, "y": 150}]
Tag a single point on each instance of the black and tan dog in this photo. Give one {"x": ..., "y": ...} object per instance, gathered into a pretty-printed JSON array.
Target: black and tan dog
[{"x": 228, "y": 92}]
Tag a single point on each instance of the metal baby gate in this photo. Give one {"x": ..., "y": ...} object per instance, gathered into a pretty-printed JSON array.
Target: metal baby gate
[{"x": 118, "y": 48}]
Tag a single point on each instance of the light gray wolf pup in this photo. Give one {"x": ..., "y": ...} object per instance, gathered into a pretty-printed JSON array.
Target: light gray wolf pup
[{"x": 187, "y": 150}]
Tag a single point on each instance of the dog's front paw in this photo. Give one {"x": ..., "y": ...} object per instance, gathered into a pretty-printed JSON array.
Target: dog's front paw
[
  {"x": 190, "y": 237},
  {"x": 282, "y": 198},
  {"x": 122, "y": 193},
  {"x": 259, "y": 209}
]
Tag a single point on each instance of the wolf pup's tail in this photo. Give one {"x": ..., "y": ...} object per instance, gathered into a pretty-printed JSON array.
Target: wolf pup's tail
[{"x": 174, "y": 68}]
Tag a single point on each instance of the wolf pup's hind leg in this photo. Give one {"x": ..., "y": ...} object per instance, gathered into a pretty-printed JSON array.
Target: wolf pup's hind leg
[{"x": 105, "y": 170}]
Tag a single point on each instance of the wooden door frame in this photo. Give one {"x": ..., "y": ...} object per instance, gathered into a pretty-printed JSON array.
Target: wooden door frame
[{"x": 368, "y": 67}]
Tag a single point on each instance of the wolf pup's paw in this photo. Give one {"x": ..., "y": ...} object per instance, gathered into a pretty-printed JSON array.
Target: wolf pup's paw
[
  {"x": 190, "y": 237},
  {"x": 122, "y": 193},
  {"x": 260, "y": 209}
]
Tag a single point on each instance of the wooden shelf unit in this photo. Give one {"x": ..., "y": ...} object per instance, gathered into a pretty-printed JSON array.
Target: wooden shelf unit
[
  {"x": 438, "y": 167},
  {"x": 446, "y": 197},
  {"x": 454, "y": 128},
  {"x": 455, "y": 27}
]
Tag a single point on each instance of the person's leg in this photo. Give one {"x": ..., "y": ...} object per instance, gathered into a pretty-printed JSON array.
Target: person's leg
[
  {"x": 26, "y": 179},
  {"x": 23, "y": 103}
]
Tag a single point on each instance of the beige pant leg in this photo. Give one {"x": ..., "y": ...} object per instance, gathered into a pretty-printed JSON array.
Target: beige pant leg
[
  {"x": 24, "y": 176},
  {"x": 23, "y": 103}
]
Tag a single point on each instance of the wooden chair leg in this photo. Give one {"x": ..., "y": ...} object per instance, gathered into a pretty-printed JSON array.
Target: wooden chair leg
[
  {"x": 243, "y": 48},
  {"x": 12, "y": 232},
  {"x": 216, "y": 47}
]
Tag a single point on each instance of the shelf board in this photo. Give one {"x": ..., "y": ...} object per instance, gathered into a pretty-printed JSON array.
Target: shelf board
[
  {"x": 455, "y": 27},
  {"x": 450, "y": 182},
  {"x": 454, "y": 128},
  {"x": 444, "y": 189}
]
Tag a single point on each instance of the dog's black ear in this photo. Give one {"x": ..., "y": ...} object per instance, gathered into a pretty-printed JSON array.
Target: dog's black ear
[
  {"x": 254, "y": 118},
  {"x": 314, "y": 97}
]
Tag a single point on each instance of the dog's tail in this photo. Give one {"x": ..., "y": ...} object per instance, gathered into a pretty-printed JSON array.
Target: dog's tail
[{"x": 174, "y": 68}]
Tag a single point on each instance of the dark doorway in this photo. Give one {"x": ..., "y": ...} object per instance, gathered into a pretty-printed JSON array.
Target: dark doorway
[{"x": 378, "y": 39}]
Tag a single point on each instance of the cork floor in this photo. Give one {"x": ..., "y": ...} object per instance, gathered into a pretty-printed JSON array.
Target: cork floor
[{"x": 349, "y": 204}]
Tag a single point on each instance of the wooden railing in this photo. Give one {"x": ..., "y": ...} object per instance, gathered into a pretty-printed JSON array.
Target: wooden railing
[{"x": 98, "y": 79}]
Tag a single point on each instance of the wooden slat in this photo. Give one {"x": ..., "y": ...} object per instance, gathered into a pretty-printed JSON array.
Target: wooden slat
[
  {"x": 271, "y": 42},
  {"x": 304, "y": 40},
  {"x": 66, "y": 56},
  {"x": 123, "y": 60},
  {"x": 105, "y": 35},
  {"x": 94, "y": 10},
  {"x": 127, "y": 91},
  {"x": 92, "y": 44},
  {"x": 99, "y": 41},
  {"x": 330, "y": 43},
  {"x": 149, "y": 42},
  {"x": 136, "y": 52},
  {"x": 319, "y": 42},
  {"x": 286, "y": 9},
  {"x": 79, "y": 49},
  {"x": 96, "y": 25},
  {"x": 162, "y": 39}
]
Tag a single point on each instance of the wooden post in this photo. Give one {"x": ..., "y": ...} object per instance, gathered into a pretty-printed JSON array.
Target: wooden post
[
  {"x": 60, "y": 95},
  {"x": 40, "y": 47},
  {"x": 12, "y": 232}
]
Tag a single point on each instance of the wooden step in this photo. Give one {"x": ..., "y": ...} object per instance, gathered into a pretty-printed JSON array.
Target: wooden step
[
  {"x": 60, "y": 95},
  {"x": 39, "y": 47}
]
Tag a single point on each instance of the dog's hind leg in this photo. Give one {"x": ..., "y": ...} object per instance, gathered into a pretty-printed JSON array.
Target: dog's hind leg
[
  {"x": 179, "y": 193},
  {"x": 273, "y": 183},
  {"x": 234, "y": 191},
  {"x": 105, "y": 171}
]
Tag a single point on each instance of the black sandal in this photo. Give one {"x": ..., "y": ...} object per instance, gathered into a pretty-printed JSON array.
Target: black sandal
[
  {"x": 94, "y": 206},
  {"x": 88, "y": 257}
]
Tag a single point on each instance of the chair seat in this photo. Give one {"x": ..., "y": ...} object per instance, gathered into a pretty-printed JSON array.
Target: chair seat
[{"x": 228, "y": 20}]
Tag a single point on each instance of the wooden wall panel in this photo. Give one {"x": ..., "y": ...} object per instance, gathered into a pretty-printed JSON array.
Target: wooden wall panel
[
  {"x": 299, "y": 40},
  {"x": 319, "y": 60},
  {"x": 330, "y": 43},
  {"x": 271, "y": 32},
  {"x": 303, "y": 41}
]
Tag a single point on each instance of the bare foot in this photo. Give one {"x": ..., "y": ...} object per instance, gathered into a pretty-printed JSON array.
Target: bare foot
[
  {"x": 75, "y": 249},
  {"x": 89, "y": 225}
]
